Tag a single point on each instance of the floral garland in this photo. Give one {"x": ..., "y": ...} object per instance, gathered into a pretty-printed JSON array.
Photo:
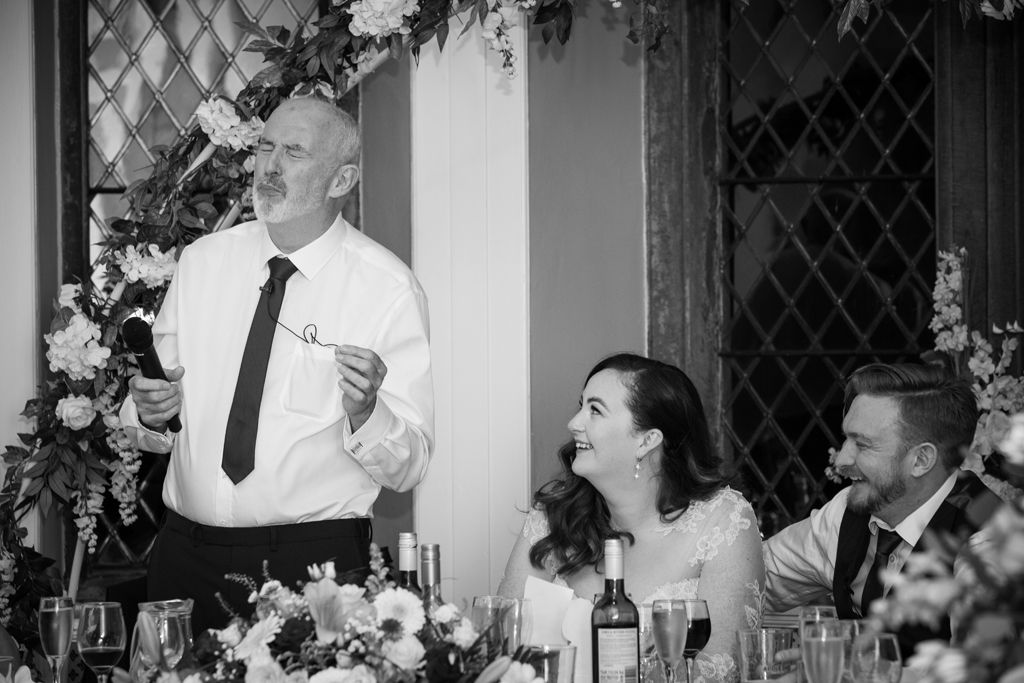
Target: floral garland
[
  {"x": 330, "y": 633},
  {"x": 994, "y": 9}
]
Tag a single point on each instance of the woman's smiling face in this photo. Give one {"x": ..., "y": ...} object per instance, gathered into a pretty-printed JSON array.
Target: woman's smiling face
[{"x": 607, "y": 442}]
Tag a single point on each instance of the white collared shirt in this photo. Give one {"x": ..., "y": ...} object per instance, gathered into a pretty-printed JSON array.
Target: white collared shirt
[
  {"x": 800, "y": 560},
  {"x": 309, "y": 466}
]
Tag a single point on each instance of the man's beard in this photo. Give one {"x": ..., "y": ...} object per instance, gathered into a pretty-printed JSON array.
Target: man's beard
[
  {"x": 285, "y": 206},
  {"x": 877, "y": 496}
]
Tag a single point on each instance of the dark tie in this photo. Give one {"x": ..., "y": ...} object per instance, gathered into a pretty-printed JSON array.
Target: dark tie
[
  {"x": 243, "y": 420},
  {"x": 887, "y": 542}
]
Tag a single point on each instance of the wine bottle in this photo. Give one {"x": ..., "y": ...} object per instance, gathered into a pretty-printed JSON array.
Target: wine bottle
[
  {"x": 407, "y": 575},
  {"x": 430, "y": 566},
  {"x": 615, "y": 625}
]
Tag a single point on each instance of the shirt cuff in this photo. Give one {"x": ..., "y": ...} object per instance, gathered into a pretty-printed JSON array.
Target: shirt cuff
[
  {"x": 145, "y": 438},
  {"x": 371, "y": 433}
]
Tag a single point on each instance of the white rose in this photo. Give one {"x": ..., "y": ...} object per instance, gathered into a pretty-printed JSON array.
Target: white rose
[
  {"x": 76, "y": 412},
  {"x": 405, "y": 653},
  {"x": 67, "y": 296}
]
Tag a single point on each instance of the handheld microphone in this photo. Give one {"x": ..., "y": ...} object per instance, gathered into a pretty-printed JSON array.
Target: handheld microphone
[{"x": 138, "y": 337}]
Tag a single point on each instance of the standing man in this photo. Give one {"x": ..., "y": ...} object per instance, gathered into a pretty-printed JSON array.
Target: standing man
[
  {"x": 298, "y": 362},
  {"x": 906, "y": 428}
]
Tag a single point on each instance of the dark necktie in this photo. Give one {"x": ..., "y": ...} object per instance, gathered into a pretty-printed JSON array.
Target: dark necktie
[
  {"x": 887, "y": 542},
  {"x": 243, "y": 420}
]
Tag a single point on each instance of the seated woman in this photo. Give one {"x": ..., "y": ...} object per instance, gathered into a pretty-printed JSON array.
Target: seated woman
[{"x": 640, "y": 467}]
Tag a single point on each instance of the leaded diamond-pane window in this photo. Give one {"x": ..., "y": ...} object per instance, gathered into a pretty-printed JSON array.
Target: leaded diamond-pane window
[
  {"x": 150, "y": 63},
  {"x": 829, "y": 227}
]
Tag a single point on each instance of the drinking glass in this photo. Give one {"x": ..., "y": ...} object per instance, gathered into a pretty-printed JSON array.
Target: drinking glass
[
  {"x": 518, "y": 623},
  {"x": 669, "y": 626},
  {"x": 758, "y": 650},
  {"x": 551, "y": 663},
  {"x": 488, "y": 614},
  {"x": 648, "y": 655},
  {"x": 56, "y": 619},
  {"x": 853, "y": 630},
  {"x": 812, "y": 614},
  {"x": 822, "y": 651},
  {"x": 876, "y": 659},
  {"x": 698, "y": 631},
  {"x": 101, "y": 637}
]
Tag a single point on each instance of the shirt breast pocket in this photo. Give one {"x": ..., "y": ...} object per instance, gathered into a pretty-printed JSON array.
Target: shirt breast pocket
[{"x": 311, "y": 388}]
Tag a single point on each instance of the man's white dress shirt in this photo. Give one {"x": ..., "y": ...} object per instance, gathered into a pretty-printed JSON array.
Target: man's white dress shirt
[
  {"x": 309, "y": 466},
  {"x": 800, "y": 560}
]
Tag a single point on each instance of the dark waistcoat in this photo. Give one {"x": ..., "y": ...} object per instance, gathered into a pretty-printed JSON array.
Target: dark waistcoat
[{"x": 967, "y": 507}]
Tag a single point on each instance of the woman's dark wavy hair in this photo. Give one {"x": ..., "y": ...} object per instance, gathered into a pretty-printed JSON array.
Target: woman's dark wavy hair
[{"x": 659, "y": 396}]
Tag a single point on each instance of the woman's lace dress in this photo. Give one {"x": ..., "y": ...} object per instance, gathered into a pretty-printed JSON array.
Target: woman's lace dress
[{"x": 722, "y": 564}]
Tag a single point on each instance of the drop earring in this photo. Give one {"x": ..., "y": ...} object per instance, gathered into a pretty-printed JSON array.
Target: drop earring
[{"x": 636, "y": 468}]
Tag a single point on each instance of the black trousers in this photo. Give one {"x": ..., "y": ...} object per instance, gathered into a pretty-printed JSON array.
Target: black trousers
[{"x": 190, "y": 560}]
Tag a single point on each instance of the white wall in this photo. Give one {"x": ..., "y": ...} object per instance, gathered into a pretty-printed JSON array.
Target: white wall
[
  {"x": 470, "y": 251},
  {"x": 18, "y": 343},
  {"x": 587, "y": 277}
]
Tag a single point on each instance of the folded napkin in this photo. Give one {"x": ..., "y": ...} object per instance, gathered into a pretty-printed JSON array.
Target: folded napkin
[{"x": 559, "y": 617}]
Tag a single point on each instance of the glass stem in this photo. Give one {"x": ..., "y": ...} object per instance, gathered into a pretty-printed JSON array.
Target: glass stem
[
  {"x": 670, "y": 672},
  {"x": 689, "y": 663},
  {"x": 55, "y": 663}
]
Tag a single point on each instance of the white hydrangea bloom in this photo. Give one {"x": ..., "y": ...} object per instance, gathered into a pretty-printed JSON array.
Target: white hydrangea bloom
[
  {"x": 380, "y": 18},
  {"x": 225, "y": 128},
  {"x": 75, "y": 350},
  {"x": 154, "y": 270}
]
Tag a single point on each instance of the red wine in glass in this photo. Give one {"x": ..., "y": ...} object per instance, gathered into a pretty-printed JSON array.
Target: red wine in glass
[
  {"x": 101, "y": 637},
  {"x": 698, "y": 631},
  {"x": 101, "y": 659}
]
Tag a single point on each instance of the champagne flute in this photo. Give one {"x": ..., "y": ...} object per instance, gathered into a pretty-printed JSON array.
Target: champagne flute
[
  {"x": 56, "y": 619},
  {"x": 669, "y": 626},
  {"x": 101, "y": 637},
  {"x": 698, "y": 631},
  {"x": 876, "y": 659},
  {"x": 822, "y": 649}
]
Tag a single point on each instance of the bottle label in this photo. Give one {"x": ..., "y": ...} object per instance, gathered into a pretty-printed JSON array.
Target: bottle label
[{"x": 617, "y": 655}]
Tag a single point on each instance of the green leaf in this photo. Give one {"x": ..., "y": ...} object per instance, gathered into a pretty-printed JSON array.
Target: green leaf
[
  {"x": 442, "y": 37},
  {"x": 854, "y": 9},
  {"x": 45, "y": 501}
]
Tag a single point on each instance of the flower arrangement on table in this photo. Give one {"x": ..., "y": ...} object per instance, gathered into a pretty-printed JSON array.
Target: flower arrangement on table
[
  {"x": 983, "y": 595},
  {"x": 329, "y": 633}
]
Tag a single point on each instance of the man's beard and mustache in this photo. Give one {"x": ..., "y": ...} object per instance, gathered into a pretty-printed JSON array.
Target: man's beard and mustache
[
  {"x": 870, "y": 498},
  {"x": 280, "y": 204}
]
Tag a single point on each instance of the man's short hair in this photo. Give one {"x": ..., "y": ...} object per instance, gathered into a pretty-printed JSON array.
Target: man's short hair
[{"x": 934, "y": 405}]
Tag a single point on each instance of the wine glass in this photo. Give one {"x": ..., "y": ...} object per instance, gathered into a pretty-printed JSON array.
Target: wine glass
[
  {"x": 822, "y": 649},
  {"x": 56, "y": 619},
  {"x": 101, "y": 637},
  {"x": 669, "y": 626},
  {"x": 698, "y": 631},
  {"x": 648, "y": 655},
  {"x": 876, "y": 659},
  {"x": 487, "y": 615}
]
